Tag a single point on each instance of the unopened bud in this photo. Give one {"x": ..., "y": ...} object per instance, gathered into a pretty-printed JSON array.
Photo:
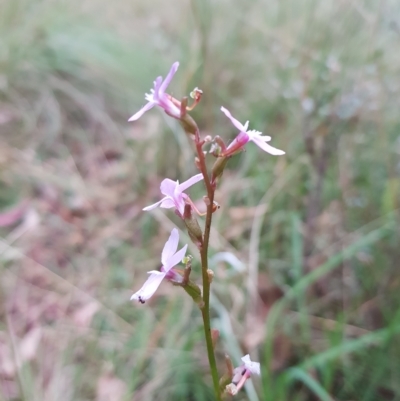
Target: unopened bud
[
  {"x": 210, "y": 275},
  {"x": 187, "y": 122},
  {"x": 195, "y": 293},
  {"x": 218, "y": 140},
  {"x": 197, "y": 163},
  {"x": 229, "y": 365},
  {"x": 231, "y": 389},
  {"x": 194, "y": 230},
  {"x": 187, "y": 271},
  {"x": 183, "y": 106},
  {"x": 207, "y": 138},
  {"x": 218, "y": 168},
  {"x": 227, "y": 377},
  {"x": 214, "y": 336}
]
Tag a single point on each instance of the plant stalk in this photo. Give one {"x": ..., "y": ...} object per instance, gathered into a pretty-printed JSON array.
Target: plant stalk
[{"x": 205, "y": 310}]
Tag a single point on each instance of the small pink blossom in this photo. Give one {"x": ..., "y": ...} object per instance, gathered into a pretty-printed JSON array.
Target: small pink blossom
[
  {"x": 251, "y": 367},
  {"x": 158, "y": 97},
  {"x": 174, "y": 196},
  {"x": 245, "y": 136},
  {"x": 242, "y": 373},
  {"x": 169, "y": 258}
]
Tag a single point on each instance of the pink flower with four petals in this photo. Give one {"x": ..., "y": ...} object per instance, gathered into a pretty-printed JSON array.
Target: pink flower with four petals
[
  {"x": 169, "y": 258},
  {"x": 174, "y": 196},
  {"x": 158, "y": 97},
  {"x": 245, "y": 136}
]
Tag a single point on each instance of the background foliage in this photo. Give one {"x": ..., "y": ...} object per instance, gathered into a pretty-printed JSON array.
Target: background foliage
[{"x": 305, "y": 246}]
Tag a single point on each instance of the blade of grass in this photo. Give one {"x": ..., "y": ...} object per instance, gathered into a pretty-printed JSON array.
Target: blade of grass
[
  {"x": 375, "y": 338},
  {"x": 297, "y": 268},
  {"x": 311, "y": 383},
  {"x": 335, "y": 261}
]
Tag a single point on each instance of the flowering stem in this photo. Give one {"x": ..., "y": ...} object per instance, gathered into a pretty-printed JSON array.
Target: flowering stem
[{"x": 205, "y": 310}]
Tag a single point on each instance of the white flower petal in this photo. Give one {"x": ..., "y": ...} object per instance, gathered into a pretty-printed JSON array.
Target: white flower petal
[
  {"x": 253, "y": 133},
  {"x": 265, "y": 138},
  {"x": 157, "y": 83},
  {"x": 267, "y": 148},
  {"x": 167, "y": 203},
  {"x": 143, "y": 110},
  {"x": 191, "y": 181},
  {"x": 235, "y": 122},
  {"x": 168, "y": 78},
  {"x": 253, "y": 367},
  {"x": 170, "y": 247},
  {"x": 175, "y": 259},
  {"x": 154, "y": 205},
  {"x": 149, "y": 287},
  {"x": 168, "y": 187}
]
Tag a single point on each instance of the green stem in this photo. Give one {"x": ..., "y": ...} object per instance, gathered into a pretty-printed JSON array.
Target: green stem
[{"x": 205, "y": 310}]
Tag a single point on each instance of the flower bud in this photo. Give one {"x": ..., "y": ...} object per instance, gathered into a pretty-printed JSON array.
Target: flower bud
[
  {"x": 194, "y": 230},
  {"x": 214, "y": 336},
  {"x": 195, "y": 293},
  {"x": 231, "y": 389},
  {"x": 218, "y": 168},
  {"x": 210, "y": 275},
  {"x": 187, "y": 122},
  {"x": 227, "y": 377},
  {"x": 189, "y": 125},
  {"x": 197, "y": 163},
  {"x": 206, "y": 200}
]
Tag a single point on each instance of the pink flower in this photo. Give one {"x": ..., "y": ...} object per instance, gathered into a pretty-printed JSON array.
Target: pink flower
[
  {"x": 169, "y": 258},
  {"x": 158, "y": 97},
  {"x": 241, "y": 374},
  {"x": 245, "y": 136},
  {"x": 174, "y": 196},
  {"x": 251, "y": 367}
]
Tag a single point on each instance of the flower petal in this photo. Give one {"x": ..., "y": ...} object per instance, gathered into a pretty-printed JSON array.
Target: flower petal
[
  {"x": 235, "y": 122},
  {"x": 267, "y": 148},
  {"x": 168, "y": 78},
  {"x": 167, "y": 203},
  {"x": 253, "y": 367},
  {"x": 241, "y": 139},
  {"x": 180, "y": 202},
  {"x": 253, "y": 133},
  {"x": 157, "y": 84},
  {"x": 175, "y": 259},
  {"x": 170, "y": 247},
  {"x": 191, "y": 181},
  {"x": 168, "y": 186},
  {"x": 265, "y": 138},
  {"x": 143, "y": 110},
  {"x": 154, "y": 205},
  {"x": 149, "y": 287}
]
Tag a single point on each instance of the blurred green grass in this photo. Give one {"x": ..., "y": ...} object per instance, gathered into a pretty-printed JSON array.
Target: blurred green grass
[{"x": 316, "y": 296}]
